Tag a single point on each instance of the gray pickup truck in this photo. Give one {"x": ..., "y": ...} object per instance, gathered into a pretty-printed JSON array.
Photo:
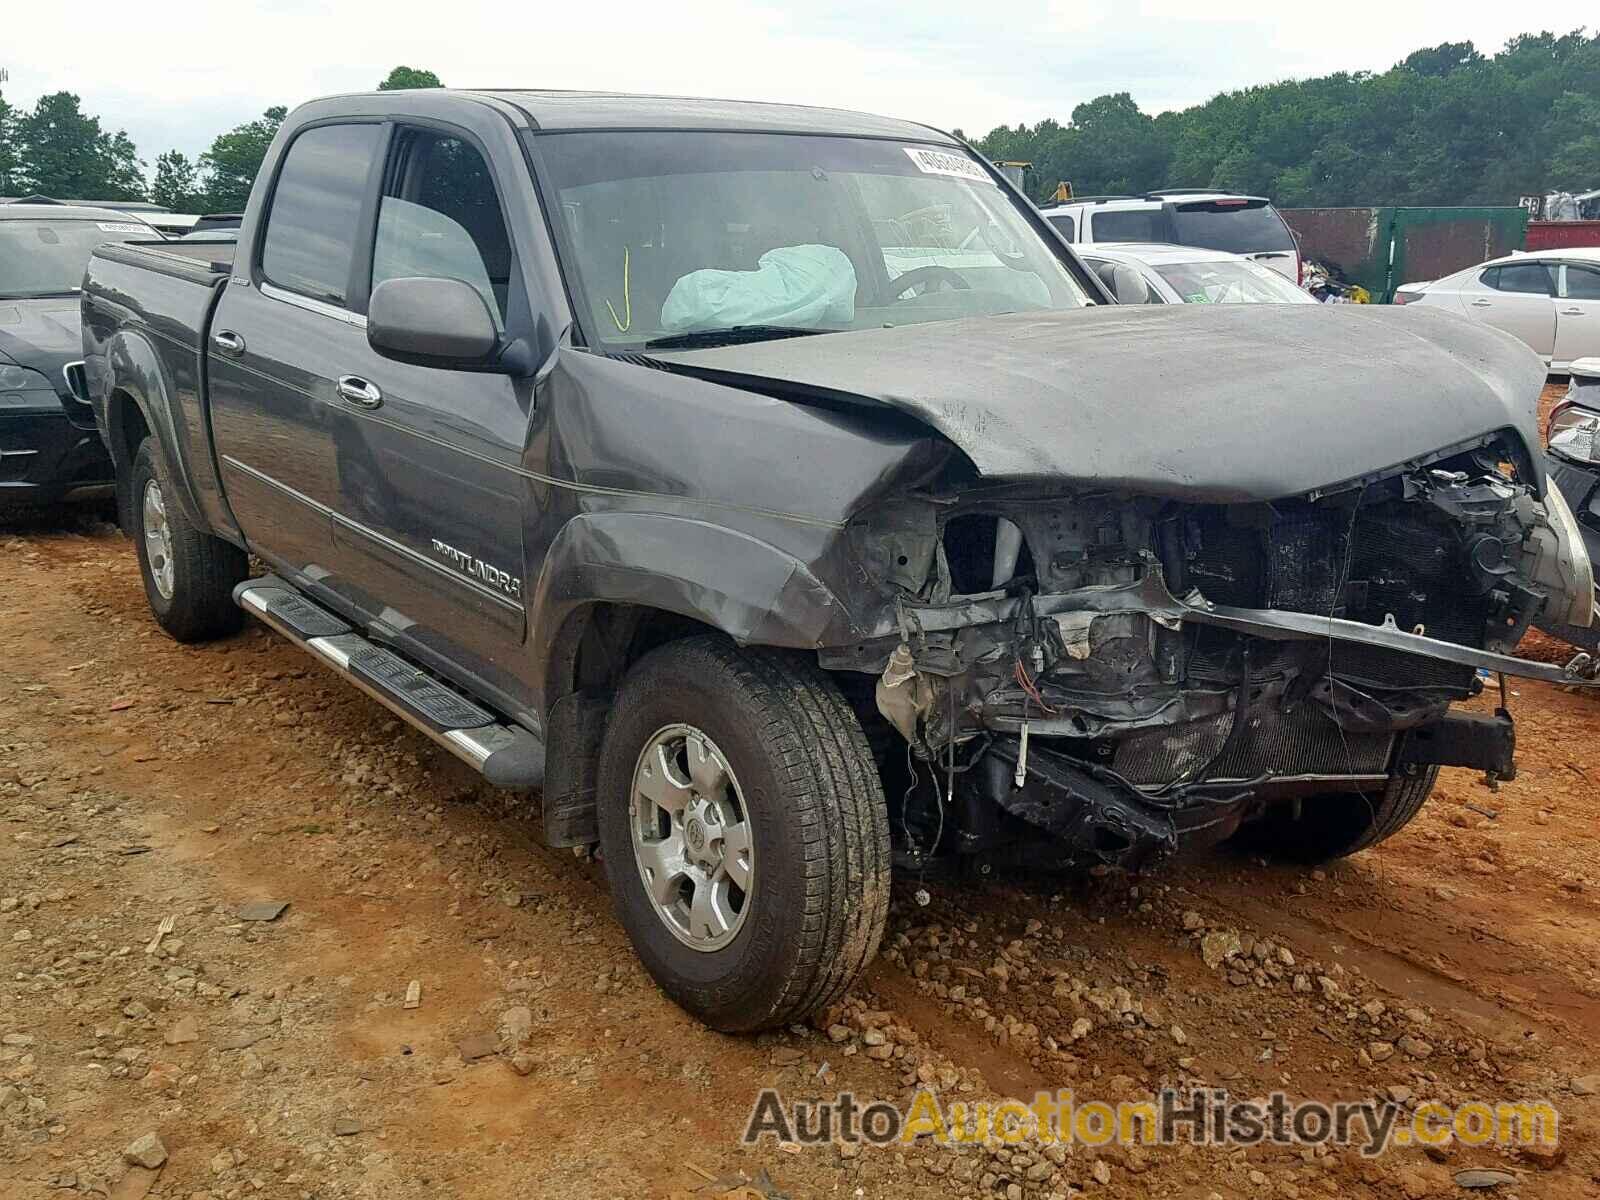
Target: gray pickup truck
[{"x": 774, "y": 490}]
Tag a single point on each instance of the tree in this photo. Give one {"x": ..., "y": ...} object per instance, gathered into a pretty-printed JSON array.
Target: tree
[
  {"x": 1118, "y": 146},
  {"x": 124, "y": 169},
  {"x": 8, "y": 151},
  {"x": 402, "y": 78},
  {"x": 1442, "y": 59},
  {"x": 1446, "y": 125},
  {"x": 177, "y": 183},
  {"x": 1575, "y": 163},
  {"x": 230, "y": 166},
  {"x": 63, "y": 152}
]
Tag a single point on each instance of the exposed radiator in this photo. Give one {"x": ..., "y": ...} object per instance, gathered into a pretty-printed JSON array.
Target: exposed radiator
[
  {"x": 1304, "y": 742},
  {"x": 1404, "y": 564}
]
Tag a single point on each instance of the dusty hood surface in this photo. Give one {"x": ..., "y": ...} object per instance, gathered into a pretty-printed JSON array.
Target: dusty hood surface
[
  {"x": 1225, "y": 403},
  {"x": 41, "y": 334}
]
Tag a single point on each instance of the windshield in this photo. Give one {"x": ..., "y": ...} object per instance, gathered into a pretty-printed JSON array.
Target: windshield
[
  {"x": 1239, "y": 228},
  {"x": 1231, "y": 283},
  {"x": 48, "y": 258},
  {"x": 685, "y": 237}
]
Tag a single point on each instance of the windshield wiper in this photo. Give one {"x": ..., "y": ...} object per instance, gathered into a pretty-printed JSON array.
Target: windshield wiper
[
  {"x": 70, "y": 292},
  {"x": 729, "y": 337}
]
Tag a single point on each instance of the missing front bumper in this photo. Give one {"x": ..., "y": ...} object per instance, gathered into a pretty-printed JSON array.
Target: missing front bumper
[
  {"x": 1095, "y": 816},
  {"x": 1150, "y": 597}
]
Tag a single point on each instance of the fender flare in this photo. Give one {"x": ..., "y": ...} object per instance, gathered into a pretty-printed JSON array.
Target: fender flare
[
  {"x": 749, "y": 589},
  {"x": 133, "y": 366}
]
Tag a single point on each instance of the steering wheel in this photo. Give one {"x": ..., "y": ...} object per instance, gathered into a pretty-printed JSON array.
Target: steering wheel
[
  {"x": 928, "y": 278},
  {"x": 991, "y": 233}
]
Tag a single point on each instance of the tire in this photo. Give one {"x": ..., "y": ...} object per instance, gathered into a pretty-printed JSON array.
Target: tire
[
  {"x": 1339, "y": 824},
  {"x": 799, "y": 767},
  {"x": 1583, "y": 639},
  {"x": 190, "y": 582}
]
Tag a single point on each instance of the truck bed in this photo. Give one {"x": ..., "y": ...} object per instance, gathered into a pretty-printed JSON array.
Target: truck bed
[
  {"x": 198, "y": 261},
  {"x": 151, "y": 303}
]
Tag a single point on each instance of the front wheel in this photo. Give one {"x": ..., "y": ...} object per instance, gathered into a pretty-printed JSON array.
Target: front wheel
[
  {"x": 188, "y": 574},
  {"x": 745, "y": 832},
  {"x": 1338, "y": 824}
]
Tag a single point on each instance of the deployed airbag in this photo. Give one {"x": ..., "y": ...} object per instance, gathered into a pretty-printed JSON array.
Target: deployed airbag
[{"x": 805, "y": 286}]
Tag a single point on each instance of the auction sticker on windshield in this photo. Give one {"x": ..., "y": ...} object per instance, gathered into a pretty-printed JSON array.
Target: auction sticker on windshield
[
  {"x": 937, "y": 162},
  {"x": 119, "y": 227}
]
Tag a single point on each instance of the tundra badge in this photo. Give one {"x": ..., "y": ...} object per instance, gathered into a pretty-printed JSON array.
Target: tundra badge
[{"x": 478, "y": 569}]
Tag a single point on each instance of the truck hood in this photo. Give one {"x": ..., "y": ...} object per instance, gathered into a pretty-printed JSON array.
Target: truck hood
[
  {"x": 1222, "y": 404},
  {"x": 41, "y": 334}
]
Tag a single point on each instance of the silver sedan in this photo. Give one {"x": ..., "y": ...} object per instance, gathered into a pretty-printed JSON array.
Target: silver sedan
[{"x": 1156, "y": 273}]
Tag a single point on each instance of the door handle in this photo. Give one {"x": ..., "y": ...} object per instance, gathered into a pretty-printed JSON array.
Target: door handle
[
  {"x": 360, "y": 392},
  {"x": 1483, "y": 304},
  {"x": 229, "y": 342},
  {"x": 1572, "y": 312}
]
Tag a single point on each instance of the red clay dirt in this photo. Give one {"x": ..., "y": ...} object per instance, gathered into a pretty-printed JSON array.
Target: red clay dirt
[{"x": 141, "y": 780}]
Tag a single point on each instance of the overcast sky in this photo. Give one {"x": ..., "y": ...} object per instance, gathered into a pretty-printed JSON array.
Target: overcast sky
[{"x": 968, "y": 64}]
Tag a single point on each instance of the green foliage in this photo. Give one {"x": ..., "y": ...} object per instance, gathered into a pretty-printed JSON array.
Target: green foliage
[
  {"x": 177, "y": 183},
  {"x": 230, "y": 166},
  {"x": 402, "y": 78},
  {"x": 1445, "y": 126},
  {"x": 62, "y": 152},
  {"x": 8, "y": 148}
]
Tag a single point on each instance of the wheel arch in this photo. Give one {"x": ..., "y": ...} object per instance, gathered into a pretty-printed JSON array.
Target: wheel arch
[
  {"x": 140, "y": 403},
  {"x": 629, "y": 581}
]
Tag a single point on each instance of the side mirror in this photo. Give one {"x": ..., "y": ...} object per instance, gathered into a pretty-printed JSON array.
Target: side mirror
[
  {"x": 1128, "y": 285},
  {"x": 433, "y": 323},
  {"x": 1587, "y": 369}
]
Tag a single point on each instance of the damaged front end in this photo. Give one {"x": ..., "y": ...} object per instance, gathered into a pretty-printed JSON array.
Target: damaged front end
[{"x": 1127, "y": 674}]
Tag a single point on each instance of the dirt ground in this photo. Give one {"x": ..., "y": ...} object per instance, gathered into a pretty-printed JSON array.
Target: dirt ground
[{"x": 142, "y": 781}]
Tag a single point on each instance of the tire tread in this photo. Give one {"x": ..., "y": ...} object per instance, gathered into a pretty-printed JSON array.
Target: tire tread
[
  {"x": 206, "y": 568},
  {"x": 832, "y": 793}
]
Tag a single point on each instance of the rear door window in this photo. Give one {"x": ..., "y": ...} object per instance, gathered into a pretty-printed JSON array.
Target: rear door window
[
  {"x": 1067, "y": 226},
  {"x": 1525, "y": 278},
  {"x": 314, "y": 221},
  {"x": 1583, "y": 283},
  {"x": 1135, "y": 225},
  {"x": 1239, "y": 228}
]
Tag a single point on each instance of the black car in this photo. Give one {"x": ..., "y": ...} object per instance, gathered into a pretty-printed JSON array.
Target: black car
[
  {"x": 1574, "y": 463},
  {"x": 49, "y": 449}
]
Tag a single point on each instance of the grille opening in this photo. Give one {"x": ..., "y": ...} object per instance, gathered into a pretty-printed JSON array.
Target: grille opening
[{"x": 970, "y": 542}]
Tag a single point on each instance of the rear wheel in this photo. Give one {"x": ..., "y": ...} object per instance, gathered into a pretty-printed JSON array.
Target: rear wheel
[
  {"x": 744, "y": 830},
  {"x": 1339, "y": 824},
  {"x": 188, "y": 574}
]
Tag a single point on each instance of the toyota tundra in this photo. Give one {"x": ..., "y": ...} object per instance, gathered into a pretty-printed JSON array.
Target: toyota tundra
[{"x": 775, "y": 491}]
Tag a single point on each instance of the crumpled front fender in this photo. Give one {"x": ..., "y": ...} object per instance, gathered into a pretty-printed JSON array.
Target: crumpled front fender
[{"x": 731, "y": 581}]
